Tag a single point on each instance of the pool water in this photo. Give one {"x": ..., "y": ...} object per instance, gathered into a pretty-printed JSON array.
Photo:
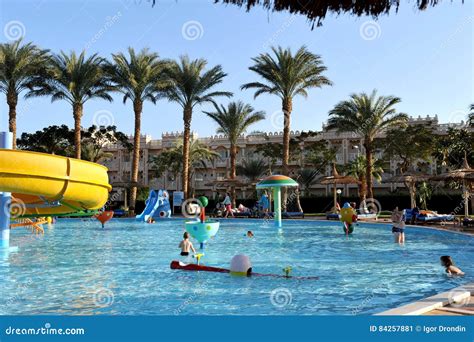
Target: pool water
[{"x": 78, "y": 268}]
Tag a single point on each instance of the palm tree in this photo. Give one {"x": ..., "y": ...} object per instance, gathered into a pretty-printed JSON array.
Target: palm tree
[
  {"x": 190, "y": 86},
  {"x": 171, "y": 160},
  {"x": 93, "y": 153},
  {"x": 139, "y": 77},
  {"x": 252, "y": 169},
  {"x": 234, "y": 121},
  {"x": 366, "y": 115},
  {"x": 357, "y": 168},
  {"x": 306, "y": 178},
  {"x": 286, "y": 76},
  {"x": 471, "y": 115},
  {"x": 75, "y": 79},
  {"x": 21, "y": 66}
]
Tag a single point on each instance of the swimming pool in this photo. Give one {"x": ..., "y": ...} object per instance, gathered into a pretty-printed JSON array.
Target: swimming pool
[{"x": 79, "y": 268}]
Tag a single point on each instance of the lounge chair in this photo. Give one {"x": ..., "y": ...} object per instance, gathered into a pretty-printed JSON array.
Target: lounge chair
[
  {"x": 332, "y": 216},
  {"x": 432, "y": 216},
  {"x": 292, "y": 214}
]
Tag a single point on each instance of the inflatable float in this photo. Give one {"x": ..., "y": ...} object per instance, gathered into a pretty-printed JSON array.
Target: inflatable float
[
  {"x": 239, "y": 266},
  {"x": 348, "y": 218},
  {"x": 47, "y": 185}
]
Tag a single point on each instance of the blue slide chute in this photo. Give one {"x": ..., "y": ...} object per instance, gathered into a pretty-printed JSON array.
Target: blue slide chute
[{"x": 157, "y": 206}]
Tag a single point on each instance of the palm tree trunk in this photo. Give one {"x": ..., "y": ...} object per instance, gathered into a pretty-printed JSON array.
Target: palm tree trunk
[
  {"x": 362, "y": 188},
  {"x": 233, "y": 155},
  {"x": 137, "y": 108},
  {"x": 298, "y": 203},
  {"x": 77, "y": 113},
  {"x": 187, "y": 116},
  {"x": 368, "y": 172},
  {"x": 287, "y": 106},
  {"x": 12, "y": 101}
]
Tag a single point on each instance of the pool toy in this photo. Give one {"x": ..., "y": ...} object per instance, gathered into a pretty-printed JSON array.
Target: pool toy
[
  {"x": 348, "y": 218},
  {"x": 156, "y": 206},
  {"x": 240, "y": 265},
  {"x": 36, "y": 184},
  {"x": 35, "y": 226},
  {"x": 178, "y": 265},
  {"x": 276, "y": 182},
  {"x": 202, "y": 229},
  {"x": 105, "y": 216},
  {"x": 198, "y": 257}
]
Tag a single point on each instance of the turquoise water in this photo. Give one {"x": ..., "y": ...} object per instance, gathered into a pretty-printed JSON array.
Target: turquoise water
[{"x": 78, "y": 268}]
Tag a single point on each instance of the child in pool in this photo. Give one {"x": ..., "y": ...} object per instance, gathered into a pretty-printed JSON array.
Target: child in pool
[
  {"x": 186, "y": 245},
  {"x": 448, "y": 263},
  {"x": 250, "y": 234},
  {"x": 398, "y": 228}
]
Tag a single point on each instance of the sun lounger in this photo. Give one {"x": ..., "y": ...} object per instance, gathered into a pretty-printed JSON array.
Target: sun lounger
[
  {"x": 292, "y": 214},
  {"x": 332, "y": 216}
]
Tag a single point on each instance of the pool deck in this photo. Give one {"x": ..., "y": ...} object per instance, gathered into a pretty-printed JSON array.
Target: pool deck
[{"x": 456, "y": 302}]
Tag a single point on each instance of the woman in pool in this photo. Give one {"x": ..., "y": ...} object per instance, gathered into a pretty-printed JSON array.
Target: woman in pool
[
  {"x": 186, "y": 245},
  {"x": 398, "y": 228},
  {"x": 448, "y": 263}
]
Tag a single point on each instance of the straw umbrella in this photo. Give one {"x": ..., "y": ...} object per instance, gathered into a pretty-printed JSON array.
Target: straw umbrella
[
  {"x": 409, "y": 178},
  {"x": 464, "y": 174},
  {"x": 337, "y": 179}
]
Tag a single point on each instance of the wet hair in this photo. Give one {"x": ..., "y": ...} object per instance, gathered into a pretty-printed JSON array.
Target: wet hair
[
  {"x": 446, "y": 260},
  {"x": 186, "y": 235},
  {"x": 249, "y": 272}
]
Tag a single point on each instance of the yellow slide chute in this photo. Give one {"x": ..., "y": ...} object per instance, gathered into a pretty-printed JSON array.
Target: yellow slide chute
[{"x": 43, "y": 184}]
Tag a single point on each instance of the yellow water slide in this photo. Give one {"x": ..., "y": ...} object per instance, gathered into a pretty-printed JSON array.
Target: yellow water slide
[{"x": 45, "y": 184}]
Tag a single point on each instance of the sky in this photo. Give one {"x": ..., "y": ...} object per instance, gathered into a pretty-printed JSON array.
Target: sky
[{"x": 425, "y": 58}]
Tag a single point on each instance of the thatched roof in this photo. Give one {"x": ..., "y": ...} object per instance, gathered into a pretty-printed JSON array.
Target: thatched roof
[
  {"x": 338, "y": 179},
  {"x": 407, "y": 177},
  {"x": 316, "y": 10},
  {"x": 458, "y": 174}
]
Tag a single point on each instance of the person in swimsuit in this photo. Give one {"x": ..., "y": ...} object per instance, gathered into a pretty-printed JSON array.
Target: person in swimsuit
[
  {"x": 448, "y": 263},
  {"x": 186, "y": 245},
  {"x": 228, "y": 205},
  {"x": 398, "y": 228}
]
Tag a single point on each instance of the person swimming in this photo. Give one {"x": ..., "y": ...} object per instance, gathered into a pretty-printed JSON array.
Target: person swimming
[
  {"x": 250, "y": 234},
  {"x": 448, "y": 263},
  {"x": 186, "y": 245}
]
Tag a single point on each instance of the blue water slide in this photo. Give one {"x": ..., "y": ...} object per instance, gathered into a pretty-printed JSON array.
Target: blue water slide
[{"x": 157, "y": 206}]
